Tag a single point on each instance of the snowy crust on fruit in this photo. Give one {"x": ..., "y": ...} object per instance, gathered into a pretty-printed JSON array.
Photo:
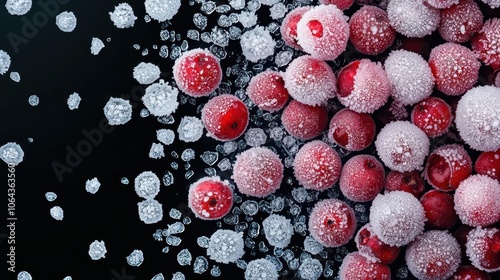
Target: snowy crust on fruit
[
  {"x": 488, "y": 42},
  {"x": 413, "y": 18},
  {"x": 397, "y": 218},
  {"x": 477, "y": 246},
  {"x": 286, "y": 29},
  {"x": 225, "y": 246},
  {"x": 459, "y": 23},
  {"x": 265, "y": 91},
  {"x": 214, "y": 110},
  {"x": 370, "y": 30},
  {"x": 195, "y": 196},
  {"x": 356, "y": 266}
]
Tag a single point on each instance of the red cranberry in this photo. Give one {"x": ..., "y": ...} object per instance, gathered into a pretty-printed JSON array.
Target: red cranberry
[
  {"x": 225, "y": 117},
  {"x": 469, "y": 272},
  {"x": 362, "y": 178},
  {"x": 410, "y": 182},
  {"x": 351, "y": 130},
  {"x": 488, "y": 163},
  {"x": 433, "y": 116},
  {"x": 267, "y": 90},
  {"x": 439, "y": 209},
  {"x": 461, "y": 235},
  {"x": 483, "y": 248},
  {"x": 370, "y": 30},
  {"x": 355, "y": 266},
  {"x": 210, "y": 198},
  {"x": 461, "y": 21},
  {"x": 303, "y": 121},
  {"x": 341, "y": 4},
  {"x": 485, "y": 43},
  {"x": 372, "y": 248},
  {"x": 289, "y": 26}
]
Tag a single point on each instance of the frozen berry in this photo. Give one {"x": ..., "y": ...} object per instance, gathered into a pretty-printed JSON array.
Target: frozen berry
[
  {"x": 433, "y": 116},
  {"x": 410, "y": 76},
  {"x": 397, "y": 218},
  {"x": 363, "y": 86},
  {"x": 362, "y": 178},
  {"x": 412, "y": 18},
  {"x": 356, "y": 267},
  {"x": 310, "y": 81},
  {"x": 289, "y": 26},
  {"x": 267, "y": 90},
  {"x": 461, "y": 235},
  {"x": 439, "y": 209},
  {"x": 455, "y": 68},
  {"x": 460, "y": 21},
  {"x": 197, "y": 72},
  {"x": 469, "y": 272},
  {"x": 258, "y": 172},
  {"x": 210, "y": 198},
  {"x": 492, "y": 3},
  {"x": 303, "y": 121},
  {"x": 488, "y": 163},
  {"x": 225, "y": 117},
  {"x": 351, "y": 130},
  {"x": 341, "y": 4},
  {"x": 485, "y": 43},
  {"x": 332, "y": 222},
  {"x": 435, "y": 255},
  {"x": 477, "y": 201},
  {"x": 370, "y": 31},
  {"x": 447, "y": 166},
  {"x": 478, "y": 118},
  {"x": 323, "y": 32},
  {"x": 410, "y": 182},
  {"x": 317, "y": 166},
  {"x": 402, "y": 146},
  {"x": 441, "y": 4},
  {"x": 483, "y": 248},
  {"x": 372, "y": 248}
]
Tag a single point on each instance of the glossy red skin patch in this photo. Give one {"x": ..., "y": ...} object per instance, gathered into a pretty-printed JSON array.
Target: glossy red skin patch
[{"x": 225, "y": 117}]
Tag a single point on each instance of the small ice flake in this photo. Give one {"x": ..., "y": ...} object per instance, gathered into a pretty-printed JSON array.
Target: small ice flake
[
  {"x": 200, "y": 21},
  {"x": 312, "y": 246},
  {"x": 200, "y": 265},
  {"x": 278, "y": 11},
  {"x": 208, "y": 7},
  {"x": 237, "y": 4},
  {"x": 135, "y": 258},
  {"x": 184, "y": 257},
  {"x": 162, "y": 10},
  {"x": 210, "y": 158},
  {"x": 188, "y": 155},
  {"x": 255, "y": 137},
  {"x": 215, "y": 271},
  {"x": 15, "y": 77},
  {"x": 203, "y": 241},
  {"x": 34, "y": 100},
  {"x": 57, "y": 213},
  {"x": 124, "y": 181},
  {"x": 74, "y": 101},
  {"x": 24, "y": 275},
  {"x": 150, "y": 211},
  {"x": 146, "y": 73},
  {"x": 123, "y": 16},
  {"x": 220, "y": 37},
  {"x": 190, "y": 129},
  {"x": 193, "y": 34},
  {"x": 168, "y": 178},
  {"x": 144, "y": 113},
  {"x": 175, "y": 214},
  {"x": 4, "y": 62},
  {"x": 147, "y": 185},
  {"x": 310, "y": 269},
  {"x": 158, "y": 276},
  {"x": 247, "y": 19},
  {"x": 178, "y": 276},
  {"x": 161, "y": 99},
  {"x": 97, "y": 250},
  {"x": 224, "y": 164},
  {"x": 166, "y": 119},
  {"x": 68, "y": 278},
  {"x": 118, "y": 111},
  {"x": 283, "y": 58},
  {"x": 250, "y": 207},
  {"x": 299, "y": 194},
  {"x": 92, "y": 185},
  {"x": 157, "y": 151},
  {"x": 176, "y": 228},
  {"x": 11, "y": 153},
  {"x": 66, "y": 21},
  {"x": 50, "y": 196},
  {"x": 18, "y": 7},
  {"x": 96, "y": 46}
]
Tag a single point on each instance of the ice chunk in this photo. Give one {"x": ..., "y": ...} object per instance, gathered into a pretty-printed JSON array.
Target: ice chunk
[
  {"x": 250, "y": 207},
  {"x": 161, "y": 99},
  {"x": 146, "y": 73},
  {"x": 15, "y": 77},
  {"x": 57, "y": 213},
  {"x": 225, "y": 246},
  {"x": 193, "y": 34},
  {"x": 220, "y": 37},
  {"x": 184, "y": 257},
  {"x": 74, "y": 101},
  {"x": 147, "y": 185},
  {"x": 135, "y": 258},
  {"x": 150, "y": 211},
  {"x": 18, "y": 7},
  {"x": 156, "y": 151},
  {"x": 278, "y": 230},
  {"x": 97, "y": 250},
  {"x": 162, "y": 10},
  {"x": 173, "y": 240},
  {"x": 208, "y": 7},
  {"x": 283, "y": 58},
  {"x": 210, "y": 158},
  {"x": 34, "y": 100},
  {"x": 11, "y": 153},
  {"x": 24, "y": 275},
  {"x": 215, "y": 271},
  {"x": 278, "y": 11},
  {"x": 176, "y": 228},
  {"x": 66, "y": 21},
  {"x": 310, "y": 269},
  {"x": 96, "y": 46},
  {"x": 118, "y": 111},
  {"x": 92, "y": 185},
  {"x": 237, "y": 4},
  {"x": 50, "y": 196},
  {"x": 255, "y": 137},
  {"x": 190, "y": 129},
  {"x": 4, "y": 62},
  {"x": 168, "y": 178},
  {"x": 312, "y": 246},
  {"x": 123, "y": 16},
  {"x": 257, "y": 44},
  {"x": 200, "y": 21},
  {"x": 200, "y": 265},
  {"x": 261, "y": 269},
  {"x": 247, "y": 19},
  {"x": 158, "y": 276},
  {"x": 175, "y": 214},
  {"x": 203, "y": 241},
  {"x": 188, "y": 155},
  {"x": 178, "y": 276}
]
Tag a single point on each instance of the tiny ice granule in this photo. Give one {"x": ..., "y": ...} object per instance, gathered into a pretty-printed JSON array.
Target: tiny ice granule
[
  {"x": 123, "y": 16},
  {"x": 15, "y": 77},
  {"x": 157, "y": 151},
  {"x": 161, "y": 99},
  {"x": 4, "y": 62},
  {"x": 97, "y": 250},
  {"x": 190, "y": 129},
  {"x": 50, "y": 196},
  {"x": 257, "y": 44},
  {"x": 147, "y": 185},
  {"x": 150, "y": 211},
  {"x": 18, "y": 7},
  {"x": 11, "y": 153},
  {"x": 165, "y": 136},
  {"x": 74, "y": 101},
  {"x": 66, "y": 21},
  {"x": 225, "y": 246},
  {"x": 135, "y": 258},
  {"x": 118, "y": 111},
  {"x": 162, "y": 10},
  {"x": 96, "y": 46},
  {"x": 33, "y": 100},
  {"x": 24, "y": 275},
  {"x": 92, "y": 186},
  {"x": 57, "y": 213},
  {"x": 146, "y": 73}
]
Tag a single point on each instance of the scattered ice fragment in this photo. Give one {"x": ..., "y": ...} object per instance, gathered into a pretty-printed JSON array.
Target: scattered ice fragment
[
  {"x": 146, "y": 73},
  {"x": 278, "y": 11},
  {"x": 215, "y": 271},
  {"x": 158, "y": 276},
  {"x": 283, "y": 58},
  {"x": 135, "y": 258},
  {"x": 254, "y": 230},
  {"x": 269, "y": 2},
  {"x": 57, "y": 213},
  {"x": 203, "y": 241},
  {"x": 24, "y": 275},
  {"x": 312, "y": 246},
  {"x": 175, "y": 214},
  {"x": 165, "y": 136},
  {"x": 150, "y": 211},
  {"x": 96, "y": 46},
  {"x": 74, "y": 101},
  {"x": 237, "y": 4},
  {"x": 225, "y": 246},
  {"x": 310, "y": 269},
  {"x": 161, "y": 99},
  {"x": 156, "y": 151},
  {"x": 97, "y": 250},
  {"x": 11, "y": 153},
  {"x": 4, "y": 62},
  {"x": 208, "y": 7},
  {"x": 186, "y": 220},
  {"x": 30, "y": 139},
  {"x": 50, "y": 196},
  {"x": 144, "y": 113},
  {"x": 147, "y": 185},
  {"x": 278, "y": 230},
  {"x": 220, "y": 37},
  {"x": 193, "y": 34},
  {"x": 200, "y": 265},
  {"x": 173, "y": 240},
  {"x": 200, "y": 21},
  {"x": 210, "y": 158},
  {"x": 255, "y": 137},
  {"x": 123, "y": 16},
  {"x": 247, "y": 19},
  {"x": 176, "y": 228},
  {"x": 299, "y": 194},
  {"x": 184, "y": 257},
  {"x": 34, "y": 100},
  {"x": 92, "y": 185},
  {"x": 224, "y": 164},
  {"x": 257, "y": 44},
  {"x": 124, "y": 181},
  {"x": 188, "y": 155},
  {"x": 68, "y": 278},
  {"x": 261, "y": 269},
  {"x": 168, "y": 178},
  {"x": 190, "y": 129},
  {"x": 162, "y": 10},
  {"x": 178, "y": 276},
  {"x": 15, "y": 76},
  {"x": 66, "y": 21},
  {"x": 166, "y": 119},
  {"x": 18, "y": 7},
  {"x": 118, "y": 111},
  {"x": 250, "y": 207}
]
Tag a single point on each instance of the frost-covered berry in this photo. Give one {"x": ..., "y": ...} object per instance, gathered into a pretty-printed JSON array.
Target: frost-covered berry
[
  {"x": 439, "y": 209},
  {"x": 161, "y": 99},
  {"x": 477, "y": 201},
  {"x": 97, "y": 250},
  {"x": 402, "y": 146},
  {"x": 260, "y": 269},
  {"x": 410, "y": 182},
  {"x": 372, "y": 248},
  {"x": 310, "y": 81},
  {"x": 258, "y": 172},
  {"x": 257, "y": 44},
  {"x": 225, "y": 117},
  {"x": 146, "y": 73},
  {"x": 288, "y": 27},
  {"x": 341, "y": 4},
  {"x": 362, "y": 178},
  {"x": 147, "y": 185},
  {"x": 357, "y": 267},
  {"x": 469, "y": 272},
  {"x": 413, "y": 18},
  {"x": 304, "y": 121},
  {"x": 455, "y": 68},
  {"x": 370, "y": 31},
  {"x": 278, "y": 230},
  {"x": 478, "y": 118},
  {"x": 397, "y": 218},
  {"x": 410, "y": 76},
  {"x": 225, "y": 246},
  {"x": 4, "y": 62},
  {"x": 210, "y": 198},
  {"x": 11, "y": 153},
  {"x": 123, "y": 16},
  {"x": 66, "y": 21},
  {"x": 483, "y": 248},
  {"x": 323, "y": 32},
  {"x": 267, "y": 91},
  {"x": 18, "y": 7},
  {"x": 310, "y": 269},
  {"x": 485, "y": 43},
  {"x": 118, "y": 111},
  {"x": 162, "y": 10},
  {"x": 332, "y": 222},
  {"x": 433, "y": 116},
  {"x": 488, "y": 163},
  {"x": 150, "y": 211},
  {"x": 435, "y": 255},
  {"x": 351, "y": 130},
  {"x": 460, "y": 21},
  {"x": 441, "y": 4}
]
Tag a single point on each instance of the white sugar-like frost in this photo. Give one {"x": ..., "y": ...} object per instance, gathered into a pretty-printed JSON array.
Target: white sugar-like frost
[
  {"x": 162, "y": 10},
  {"x": 92, "y": 185},
  {"x": 57, "y": 213},
  {"x": 136, "y": 258},
  {"x": 11, "y": 153},
  {"x": 118, "y": 111},
  {"x": 310, "y": 269},
  {"x": 4, "y": 62},
  {"x": 74, "y": 101},
  {"x": 97, "y": 250},
  {"x": 494, "y": 4},
  {"x": 225, "y": 246},
  {"x": 66, "y": 21},
  {"x": 161, "y": 99},
  {"x": 478, "y": 241},
  {"x": 413, "y": 18},
  {"x": 261, "y": 269},
  {"x": 147, "y": 185},
  {"x": 123, "y": 16},
  {"x": 146, "y": 73},
  {"x": 255, "y": 137},
  {"x": 150, "y": 211},
  {"x": 278, "y": 11},
  {"x": 278, "y": 230},
  {"x": 190, "y": 129},
  {"x": 247, "y": 19},
  {"x": 96, "y": 46},
  {"x": 165, "y": 136},
  {"x": 18, "y": 7},
  {"x": 257, "y": 44}
]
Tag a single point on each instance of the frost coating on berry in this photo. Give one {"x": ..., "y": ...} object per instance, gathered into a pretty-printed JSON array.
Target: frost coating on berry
[
  {"x": 123, "y": 16},
  {"x": 356, "y": 267},
  {"x": 278, "y": 230},
  {"x": 162, "y": 10},
  {"x": 66, "y": 21},
  {"x": 161, "y": 99},
  {"x": 310, "y": 81},
  {"x": 225, "y": 117},
  {"x": 477, "y": 201},
  {"x": 362, "y": 178},
  {"x": 370, "y": 30},
  {"x": 257, "y": 44},
  {"x": 441, "y": 4},
  {"x": 371, "y": 88},
  {"x": 478, "y": 244},
  {"x": 492, "y": 3},
  {"x": 458, "y": 162},
  {"x": 486, "y": 43},
  {"x": 18, "y": 7},
  {"x": 410, "y": 76},
  {"x": 150, "y": 211},
  {"x": 402, "y": 146},
  {"x": 261, "y": 269},
  {"x": 4, "y": 62},
  {"x": 397, "y": 218},
  {"x": 11, "y": 153},
  {"x": 225, "y": 246},
  {"x": 434, "y": 255},
  {"x": 323, "y": 32},
  {"x": 310, "y": 269},
  {"x": 210, "y": 198},
  {"x": 146, "y": 73},
  {"x": 267, "y": 90},
  {"x": 478, "y": 118},
  {"x": 461, "y": 21},
  {"x": 413, "y": 18},
  {"x": 147, "y": 185},
  {"x": 288, "y": 27},
  {"x": 303, "y": 121},
  {"x": 118, "y": 111}
]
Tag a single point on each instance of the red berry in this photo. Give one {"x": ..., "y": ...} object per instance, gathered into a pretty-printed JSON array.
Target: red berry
[
  {"x": 483, "y": 248},
  {"x": 372, "y": 248},
  {"x": 485, "y": 43},
  {"x": 289, "y": 26},
  {"x": 460, "y": 21},
  {"x": 370, "y": 30},
  {"x": 447, "y": 166},
  {"x": 356, "y": 267},
  {"x": 441, "y": 4},
  {"x": 488, "y": 163},
  {"x": 332, "y": 223},
  {"x": 197, "y": 72},
  {"x": 317, "y": 166},
  {"x": 433, "y": 116},
  {"x": 461, "y": 235},
  {"x": 455, "y": 68},
  {"x": 351, "y": 130},
  {"x": 439, "y": 209},
  {"x": 210, "y": 198},
  {"x": 469, "y": 272},
  {"x": 345, "y": 81},
  {"x": 341, "y": 4},
  {"x": 410, "y": 182},
  {"x": 225, "y": 117},
  {"x": 303, "y": 121},
  {"x": 362, "y": 178},
  {"x": 267, "y": 90},
  {"x": 258, "y": 172}
]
